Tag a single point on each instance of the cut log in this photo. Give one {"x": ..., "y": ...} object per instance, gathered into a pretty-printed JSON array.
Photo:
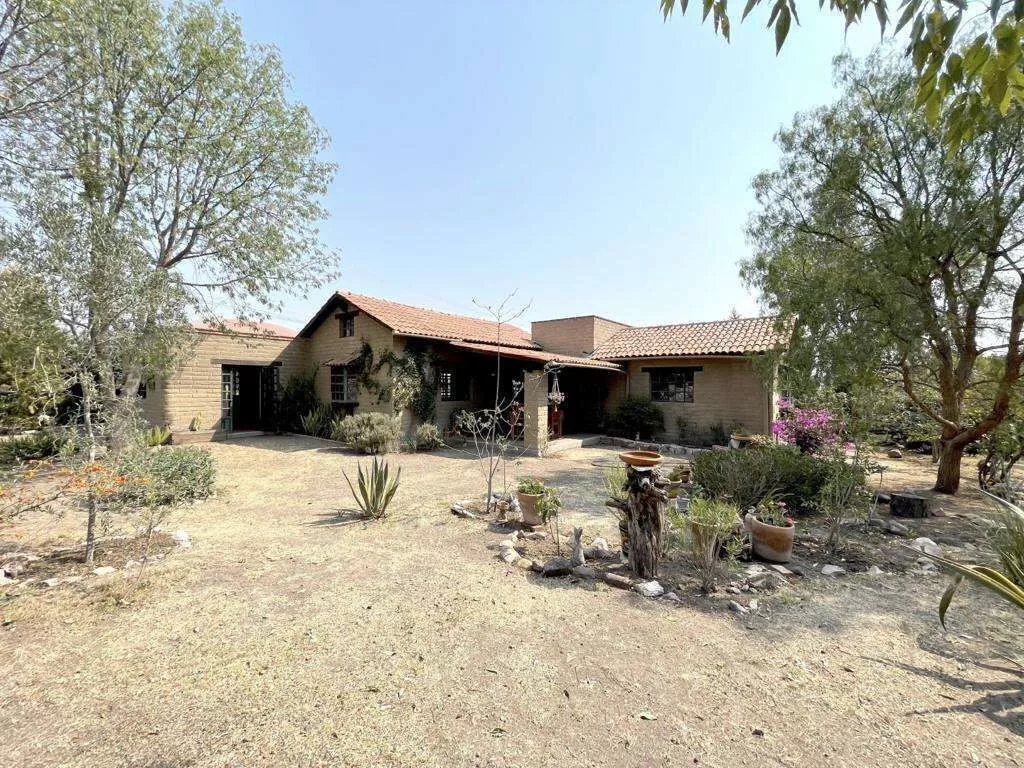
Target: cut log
[
  {"x": 646, "y": 520},
  {"x": 908, "y": 505}
]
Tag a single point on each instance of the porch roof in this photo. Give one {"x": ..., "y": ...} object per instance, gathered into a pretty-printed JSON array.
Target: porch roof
[{"x": 537, "y": 354}]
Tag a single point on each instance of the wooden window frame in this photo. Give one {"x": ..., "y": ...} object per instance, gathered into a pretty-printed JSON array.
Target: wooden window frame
[
  {"x": 346, "y": 325},
  {"x": 685, "y": 371}
]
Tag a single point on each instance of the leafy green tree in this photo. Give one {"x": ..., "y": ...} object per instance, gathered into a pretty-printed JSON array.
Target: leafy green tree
[
  {"x": 897, "y": 255},
  {"x": 162, "y": 173},
  {"x": 968, "y": 56}
]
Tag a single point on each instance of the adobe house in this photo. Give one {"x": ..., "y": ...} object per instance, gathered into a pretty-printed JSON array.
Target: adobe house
[{"x": 699, "y": 372}]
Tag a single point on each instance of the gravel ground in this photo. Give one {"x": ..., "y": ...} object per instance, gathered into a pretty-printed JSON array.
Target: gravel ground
[{"x": 292, "y": 634}]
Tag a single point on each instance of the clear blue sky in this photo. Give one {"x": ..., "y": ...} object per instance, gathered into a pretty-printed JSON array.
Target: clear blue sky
[{"x": 586, "y": 153}]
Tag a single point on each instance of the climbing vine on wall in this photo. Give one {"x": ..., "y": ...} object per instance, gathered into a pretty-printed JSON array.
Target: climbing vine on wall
[{"x": 409, "y": 384}]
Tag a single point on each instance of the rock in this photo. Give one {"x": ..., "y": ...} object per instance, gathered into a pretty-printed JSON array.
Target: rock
[
  {"x": 874, "y": 570},
  {"x": 506, "y": 544},
  {"x": 535, "y": 535},
  {"x": 926, "y": 545},
  {"x": 899, "y": 529},
  {"x": 538, "y": 566},
  {"x": 937, "y": 512},
  {"x": 618, "y": 580},
  {"x": 5, "y": 581},
  {"x": 782, "y": 570},
  {"x": 908, "y": 505},
  {"x": 557, "y": 566},
  {"x": 509, "y": 556},
  {"x": 881, "y": 498},
  {"x": 672, "y": 597},
  {"x": 832, "y": 570},
  {"x": 584, "y": 572},
  {"x": 733, "y": 590},
  {"x": 53, "y": 582},
  {"x": 525, "y": 563},
  {"x": 600, "y": 553},
  {"x": 767, "y": 581},
  {"x": 578, "y": 558},
  {"x": 895, "y": 453},
  {"x": 182, "y": 539},
  {"x": 649, "y": 588},
  {"x": 736, "y": 607},
  {"x": 926, "y": 564},
  {"x": 461, "y": 511},
  {"x": 752, "y": 605},
  {"x": 104, "y": 570}
]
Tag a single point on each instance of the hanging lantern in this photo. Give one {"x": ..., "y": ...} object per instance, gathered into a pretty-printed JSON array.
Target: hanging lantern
[{"x": 555, "y": 396}]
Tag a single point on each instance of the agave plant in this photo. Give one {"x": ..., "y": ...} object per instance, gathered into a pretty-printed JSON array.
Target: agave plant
[
  {"x": 1009, "y": 542},
  {"x": 376, "y": 489}
]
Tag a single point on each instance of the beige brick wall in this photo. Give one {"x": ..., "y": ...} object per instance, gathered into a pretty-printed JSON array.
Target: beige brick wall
[
  {"x": 727, "y": 391},
  {"x": 327, "y": 344},
  {"x": 574, "y": 335},
  {"x": 194, "y": 388}
]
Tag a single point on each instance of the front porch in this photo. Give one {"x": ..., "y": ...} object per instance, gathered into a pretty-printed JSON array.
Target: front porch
[{"x": 543, "y": 397}]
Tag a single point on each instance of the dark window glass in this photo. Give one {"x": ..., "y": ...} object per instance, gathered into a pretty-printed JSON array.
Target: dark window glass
[
  {"x": 348, "y": 325},
  {"x": 452, "y": 384},
  {"x": 672, "y": 385}
]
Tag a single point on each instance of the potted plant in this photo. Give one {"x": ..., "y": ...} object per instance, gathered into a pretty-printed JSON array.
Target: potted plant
[
  {"x": 771, "y": 531},
  {"x": 538, "y": 502}
]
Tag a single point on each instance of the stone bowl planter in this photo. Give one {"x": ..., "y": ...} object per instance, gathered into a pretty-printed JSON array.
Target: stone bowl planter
[
  {"x": 641, "y": 458},
  {"x": 528, "y": 503},
  {"x": 770, "y": 542}
]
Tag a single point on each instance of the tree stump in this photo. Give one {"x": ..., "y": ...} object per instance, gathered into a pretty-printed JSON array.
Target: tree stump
[
  {"x": 645, "y": 511},
  {"x": 908, "y": 505}
]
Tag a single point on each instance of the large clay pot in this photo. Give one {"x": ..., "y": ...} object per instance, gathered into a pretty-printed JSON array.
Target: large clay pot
[
  {"x": 770, "y": 542},
  {"x": 528, "y": 503}
]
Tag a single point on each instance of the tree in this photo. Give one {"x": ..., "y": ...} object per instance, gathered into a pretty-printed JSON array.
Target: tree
[
  {"x": 963, "y": 61},
  {"x": 163, "y": 172},
  {"x": 897, "y": 254}
]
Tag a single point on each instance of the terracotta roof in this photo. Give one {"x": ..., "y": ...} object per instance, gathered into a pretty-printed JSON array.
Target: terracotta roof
[
  {"x": 232, "y": 325},
  {"x": 406, "y": 320},
  {"x": 722, "y": 337},
  {"x": 539, "y": 355}
]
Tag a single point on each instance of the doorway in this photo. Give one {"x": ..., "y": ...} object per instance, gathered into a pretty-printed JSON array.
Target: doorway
[{"x": 248, "y": 397}]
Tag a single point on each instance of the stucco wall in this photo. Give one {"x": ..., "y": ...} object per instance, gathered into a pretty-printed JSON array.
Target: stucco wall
[
  {"x": 574, "y": 335},
  {"x": 193, "y": 390},
  {"x": 727, "y": 391}
]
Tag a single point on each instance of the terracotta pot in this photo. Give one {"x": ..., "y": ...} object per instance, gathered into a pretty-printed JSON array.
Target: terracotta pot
[
  {"x": 770, "y": 542},
  {"x": 528, "y": 503}
]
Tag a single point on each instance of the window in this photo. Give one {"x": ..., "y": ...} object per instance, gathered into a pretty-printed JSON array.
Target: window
[
  {"x": 451, "y": 384},
  {"x": 348, "y": 325},
  {"x": 340, "y": 384},
  {"x": 672, "y": 385}
]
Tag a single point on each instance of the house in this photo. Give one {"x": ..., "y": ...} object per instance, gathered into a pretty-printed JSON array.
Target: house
[{"x": 702, "y": 375}]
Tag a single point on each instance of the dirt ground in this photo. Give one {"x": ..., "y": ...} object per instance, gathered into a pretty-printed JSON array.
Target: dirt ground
[{"x": 292, "y": 634}]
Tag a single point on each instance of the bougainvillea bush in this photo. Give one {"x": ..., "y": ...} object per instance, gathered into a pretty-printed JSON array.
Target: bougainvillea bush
[{"x": 812, "y": 430}]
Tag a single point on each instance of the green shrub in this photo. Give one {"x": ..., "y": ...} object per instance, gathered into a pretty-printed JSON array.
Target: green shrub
[
  {"x": 708, "y": 526},
  {"x": 298, "y": 398},
  {"x": 38, "y": 445},
  {"x": 637, "y": 416},
  {"x": 318, "y": 421},
  {"x": 168, "y": 475},
  {"x": 549, "y": 503},
  {"x": 428, "y": 437},
  {"x": 746, "y": 476},
  {"x": 368, "y": 432},
  {"x": 376, "y": 489}
]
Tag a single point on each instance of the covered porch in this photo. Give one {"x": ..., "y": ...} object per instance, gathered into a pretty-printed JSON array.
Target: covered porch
[{"x": 545, "y": 396}]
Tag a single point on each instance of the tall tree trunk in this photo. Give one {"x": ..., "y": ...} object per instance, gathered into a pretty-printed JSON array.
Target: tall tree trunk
[{"x": 948, "y": 478}]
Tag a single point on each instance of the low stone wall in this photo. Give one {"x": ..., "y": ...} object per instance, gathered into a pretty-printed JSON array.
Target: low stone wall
[{"x": 665, "y": 449}]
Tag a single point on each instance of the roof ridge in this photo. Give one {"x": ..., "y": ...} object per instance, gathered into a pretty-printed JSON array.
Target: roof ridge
[
  {"x": 701, "y": 322},
  {"x": 346, "y": 294}
]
